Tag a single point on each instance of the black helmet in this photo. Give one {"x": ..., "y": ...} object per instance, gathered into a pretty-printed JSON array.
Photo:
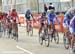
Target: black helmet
[
  {"x": 50, "y": 7},
  {"x": 44, "y": 13}
]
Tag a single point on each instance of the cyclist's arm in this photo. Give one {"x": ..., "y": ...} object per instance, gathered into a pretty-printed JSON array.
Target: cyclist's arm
[
  {"x": 32, "y": 15},
  {"x": 57, "y": 19},
  {"x": 65, "y": 20},
  {"x": 48, "y": 18},
  {"x": 72, "y": 20},
  {"x": 17, "y": 19}
]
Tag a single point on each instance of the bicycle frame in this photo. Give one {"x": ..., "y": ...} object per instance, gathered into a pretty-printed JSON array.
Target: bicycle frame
[{"x": 29, "y": 24}]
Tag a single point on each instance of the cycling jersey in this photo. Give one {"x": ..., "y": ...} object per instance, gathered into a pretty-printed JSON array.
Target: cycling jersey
[
  {"x": 51, "y": 18},
  {"x": 66, "y": 21},
  {"x": 28, "y": 15},
  {"x": 72, "y": 25},
  {"x": 14, "y": 16},
  {"x": 42, "y": 19}
]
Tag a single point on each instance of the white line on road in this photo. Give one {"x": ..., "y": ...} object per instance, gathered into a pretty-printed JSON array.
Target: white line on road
[{"x": 24, "y": 50}]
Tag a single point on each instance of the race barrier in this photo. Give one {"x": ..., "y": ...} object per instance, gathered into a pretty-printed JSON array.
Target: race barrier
[
  {"x": 59, "y": 27},
  {"x": 22, "y": 18}
]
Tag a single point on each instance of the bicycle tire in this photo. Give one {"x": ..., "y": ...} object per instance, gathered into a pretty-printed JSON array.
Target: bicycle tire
[
  {"x": 56, "y": 37},
  {"x": 40, "y": 39},
  {"x": 65, "y": 44}
]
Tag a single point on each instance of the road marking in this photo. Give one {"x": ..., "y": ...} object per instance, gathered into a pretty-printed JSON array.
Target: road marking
[{"x": 24, "y": 50}]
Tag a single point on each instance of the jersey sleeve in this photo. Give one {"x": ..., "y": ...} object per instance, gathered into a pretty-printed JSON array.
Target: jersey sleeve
[
  {"x": 65, "y": 18},
  {"x": 57, "y": 18},
  {"x": 71, "y": 22},
  {"x": 48, "y": 18}
]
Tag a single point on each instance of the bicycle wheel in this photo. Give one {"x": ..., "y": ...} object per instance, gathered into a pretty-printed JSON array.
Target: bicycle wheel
[
  {"x": 56, "y": 37},
  {"x": 66, "y": 45},
  {"x": 16, "y": 36},
  {"x": 47, "y": 38},
  {"x": 31, "y": 31},
  {"x": 41, "y": 38},
  {"x": 27, "y": 30}
]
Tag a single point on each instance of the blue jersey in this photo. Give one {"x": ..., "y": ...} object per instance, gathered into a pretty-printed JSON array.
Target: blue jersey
[
  {"x": 51, "y": 18},
  {"x": 67, "y": 19},
  {"x": 72, "y": 23},
  {"x": 28, "y": 15}
]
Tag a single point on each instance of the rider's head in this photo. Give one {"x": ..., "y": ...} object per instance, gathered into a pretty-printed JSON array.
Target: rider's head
[
  {"x": 13, "y": 10},
  {"x": 71, "y": 12},
  {"x": 44, "y": 14},
  {"x": 28, "y": 11},
  {"x": 52, "y": 9}
]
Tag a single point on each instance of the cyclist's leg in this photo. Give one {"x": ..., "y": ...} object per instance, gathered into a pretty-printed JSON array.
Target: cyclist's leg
[
  {"x": 72, "y": 37},
  {"x": 16, "y": 30},
  {"x": 27, "y": 24},
  {"x": 66, "y": 29},
  {"x": 72, "y": 42},
  {"x": 40, "y": 28}
]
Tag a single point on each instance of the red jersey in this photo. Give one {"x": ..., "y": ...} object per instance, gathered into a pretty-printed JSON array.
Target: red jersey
[{"x": 14, "y": 15}]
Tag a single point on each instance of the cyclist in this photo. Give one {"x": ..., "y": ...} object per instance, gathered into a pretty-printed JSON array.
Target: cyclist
[
  {"x": 51, "y": 17},
  {"x": 28, "y": 16},
  {"x": 66, "y": 22},
  {"x": 45, "y": 8},
  {"x": 72, "y": 31},
  {"x": 15, "y": 21},
  {"x": 42, "y": 19},
  {"x": 4, "y": 22}
]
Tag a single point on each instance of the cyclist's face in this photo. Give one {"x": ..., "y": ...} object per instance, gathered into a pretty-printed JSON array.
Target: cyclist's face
[
  {"x": 72, "y": 12},
  {"x": 52, "y": 11}
]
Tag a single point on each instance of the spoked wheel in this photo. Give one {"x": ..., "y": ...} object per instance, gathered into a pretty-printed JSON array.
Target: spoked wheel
[
  {"x": 17, "y": 37},
  {"x": 56, "y": 37},
  {"x": 41, "y": 38},
  {"x": 27, "y": 30},
  {"x": 31, "y": 31},
  {"x": 66, "y": 45},
  {"x": 74, "y": 49},
  {"x": 9, "y": 32},
  {"x": 47, "y": 40}
]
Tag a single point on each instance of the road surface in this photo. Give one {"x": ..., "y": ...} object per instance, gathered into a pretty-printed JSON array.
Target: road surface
[{"x": 30, "y": 45}]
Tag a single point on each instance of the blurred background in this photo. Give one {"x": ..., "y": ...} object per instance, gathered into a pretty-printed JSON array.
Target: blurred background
[{"x": 37, "y": 6}]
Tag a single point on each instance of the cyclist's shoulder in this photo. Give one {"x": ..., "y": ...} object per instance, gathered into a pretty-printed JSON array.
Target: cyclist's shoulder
[
  {"x": 73, "y": 18},
  {"x": 66, "y": 14}
]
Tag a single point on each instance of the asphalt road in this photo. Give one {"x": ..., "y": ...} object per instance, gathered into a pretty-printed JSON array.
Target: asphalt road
[{"x": 30, "y": 45}]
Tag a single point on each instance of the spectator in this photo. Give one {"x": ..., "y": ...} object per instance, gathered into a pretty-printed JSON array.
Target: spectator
[{"x": 45, "y": 8}]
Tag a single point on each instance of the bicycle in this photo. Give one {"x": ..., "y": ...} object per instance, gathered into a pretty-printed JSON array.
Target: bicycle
[
  {"x": 15, "y": 31},
  {"x": 29, "y": 28},
  {"x": 9, "y": 28},
  {"x": 0, "y": 28},
  {"x": 53, "y": 33},
  {"x": 43, "y": 36},
  {"x": 66, "y": 45}
]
